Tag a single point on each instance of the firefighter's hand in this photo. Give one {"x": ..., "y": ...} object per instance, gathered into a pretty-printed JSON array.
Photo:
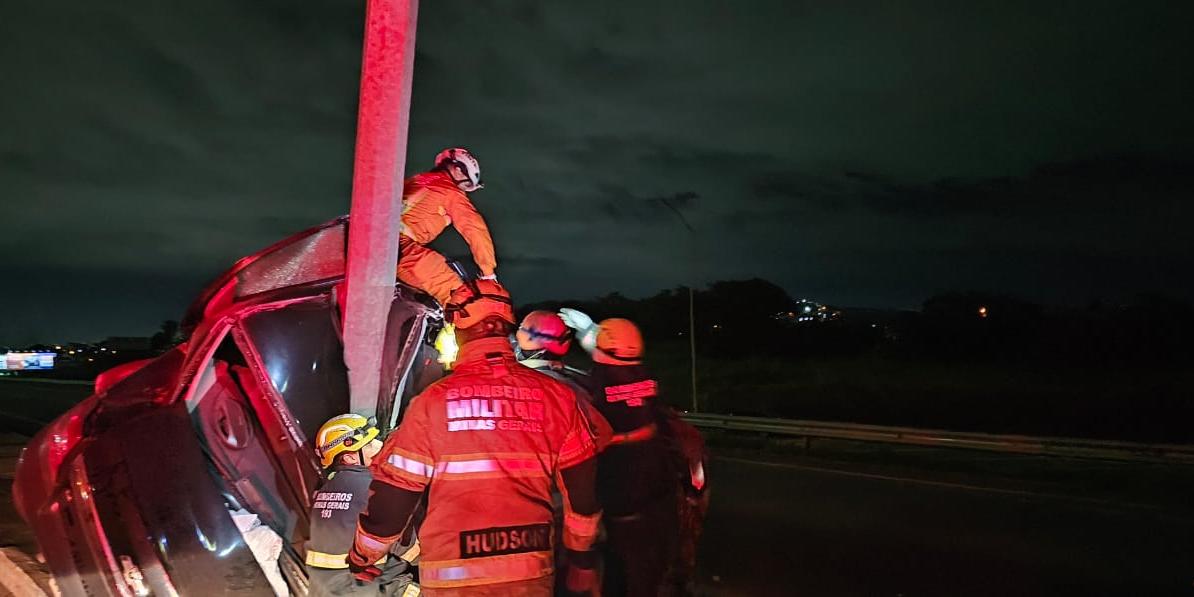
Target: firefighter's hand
[
  {"x": 580, "y": 574},
  {"x": 580, "y": 582},
  {"x": 576, "y": 319},
  {"x": 363, "y": 571},
  {"x": 586, "y": 330}
]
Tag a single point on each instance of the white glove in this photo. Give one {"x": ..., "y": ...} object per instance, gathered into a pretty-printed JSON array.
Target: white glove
[
  {"x": 586, "y": 330},
  {"x": 576, "y": 319}
]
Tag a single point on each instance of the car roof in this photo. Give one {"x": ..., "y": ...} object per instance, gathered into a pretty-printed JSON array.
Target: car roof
[{"x": 317, "y": 254}]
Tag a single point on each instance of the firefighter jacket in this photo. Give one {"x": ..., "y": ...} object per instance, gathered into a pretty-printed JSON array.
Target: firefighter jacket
[
  {"x": 488, "y": 441},
  {"x": 334, "y": 510},
  {"x": 634, "y": 470},
  {"x": 432, "y": 202},
  {"x": 600, "y": 428}
]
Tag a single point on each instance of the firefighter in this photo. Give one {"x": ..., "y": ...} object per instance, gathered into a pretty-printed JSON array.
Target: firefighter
[
  {"x": 636, "y": 477},
  {"x": 346, "y": 446},
  {"x": 540, "y": 342},
  {"x": 486, "y": 443},
  {"x": 430, "y": 202}
]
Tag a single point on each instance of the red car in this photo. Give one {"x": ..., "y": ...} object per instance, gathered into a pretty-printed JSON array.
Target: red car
[{"x": 132, "y": 491}]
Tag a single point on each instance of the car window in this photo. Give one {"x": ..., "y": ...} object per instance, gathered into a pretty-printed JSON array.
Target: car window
[
  {"x": 302, "y": 356},
  {"x": 318, "y": 256},
  {"x": 406, "y": 365}
]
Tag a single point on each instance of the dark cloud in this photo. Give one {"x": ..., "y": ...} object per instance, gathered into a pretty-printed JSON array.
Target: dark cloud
[
  {"x": 867, "y": 154},
  {"x": 532, "y": 262}
]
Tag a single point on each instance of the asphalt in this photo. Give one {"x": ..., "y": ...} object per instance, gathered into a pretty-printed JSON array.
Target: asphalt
[
  {"x": 782, "y": 525},
  {"x": 857, "y": 519},
  {"x": 26, "y": 405}
]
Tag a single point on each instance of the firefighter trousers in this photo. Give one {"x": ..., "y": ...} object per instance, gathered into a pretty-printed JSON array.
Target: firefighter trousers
[
  {"x": 426, "y": 270},
  {"x": 639, "y": 550}
]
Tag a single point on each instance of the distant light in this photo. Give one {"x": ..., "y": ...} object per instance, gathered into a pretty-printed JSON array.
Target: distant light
[
  {"x": 982, "y": 311},
  {"x": 71, "y": 352},
  {"x": 90, "y": 360},
  {"x": 113, "y": 352}
]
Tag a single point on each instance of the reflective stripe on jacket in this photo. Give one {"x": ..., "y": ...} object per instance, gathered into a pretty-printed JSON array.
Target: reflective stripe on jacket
[{"x": 490, "y": 439}]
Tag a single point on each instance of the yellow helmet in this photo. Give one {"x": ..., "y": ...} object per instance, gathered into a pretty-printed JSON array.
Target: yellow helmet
[{"x": 344, "y": 433}]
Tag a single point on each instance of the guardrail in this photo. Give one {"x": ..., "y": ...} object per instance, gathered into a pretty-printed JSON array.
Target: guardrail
[
  {"x": 49, "y": 380},
  {"x": 937, "y": 438}
]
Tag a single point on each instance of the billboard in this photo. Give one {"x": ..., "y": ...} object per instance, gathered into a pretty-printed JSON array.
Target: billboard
[{"x": 26, "y": 361}]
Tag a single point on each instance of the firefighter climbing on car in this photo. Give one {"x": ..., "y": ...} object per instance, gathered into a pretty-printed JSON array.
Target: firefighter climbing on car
[{"x": 431, "y": 202}]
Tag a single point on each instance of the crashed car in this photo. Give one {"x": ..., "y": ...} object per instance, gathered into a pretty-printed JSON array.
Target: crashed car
[{"x": 193, "y": 473}]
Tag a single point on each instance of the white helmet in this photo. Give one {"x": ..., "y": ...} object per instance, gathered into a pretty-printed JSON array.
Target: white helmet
[{"x": 460, "y": 157}]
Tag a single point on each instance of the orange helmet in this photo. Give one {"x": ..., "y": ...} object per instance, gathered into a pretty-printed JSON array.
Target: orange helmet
[
  {"x": 544, "y": 330},
  {"x": 476, "y": 301},
  {"x": 619, "y": 340}
]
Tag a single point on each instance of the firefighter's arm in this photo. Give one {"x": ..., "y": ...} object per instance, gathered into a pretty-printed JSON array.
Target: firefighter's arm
[
  {"x": 401, "y": 471},
  {"x": 601, "y": 431},
  {"x": 582, "y": 513},
  {"x": 380, "y": 526},
  {"x": 472, "y": 227}
]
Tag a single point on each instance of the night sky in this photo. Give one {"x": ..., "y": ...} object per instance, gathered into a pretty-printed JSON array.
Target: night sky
[{"x": 861, "y": 154}]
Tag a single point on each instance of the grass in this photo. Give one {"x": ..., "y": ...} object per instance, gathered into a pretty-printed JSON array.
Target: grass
[{"x": 1140, "y": 403}]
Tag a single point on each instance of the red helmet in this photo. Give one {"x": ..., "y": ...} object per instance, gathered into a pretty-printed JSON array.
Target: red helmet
[
  {"x": 544, "y": 330},
  {"x": 476, "y": 301}
]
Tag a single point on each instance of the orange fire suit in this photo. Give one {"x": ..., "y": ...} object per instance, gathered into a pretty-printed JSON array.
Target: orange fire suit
[
  {"x": 430, "y": 203},
  {"x": 489, "y": 440}
]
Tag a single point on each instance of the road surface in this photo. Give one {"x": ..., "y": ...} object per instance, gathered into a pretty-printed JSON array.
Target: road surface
[
  {"x": 800, "y": 526},
  {"x": 856, "y": 519},
  {"x": 26, "y": 404}
]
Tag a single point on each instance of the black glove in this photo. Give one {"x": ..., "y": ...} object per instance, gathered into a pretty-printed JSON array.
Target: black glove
[
  {"x": 580, "y": 576},
  {"x": 362, "y": 570}
]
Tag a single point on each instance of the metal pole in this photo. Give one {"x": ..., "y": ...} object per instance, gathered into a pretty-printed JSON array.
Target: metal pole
[
  {"x": 692, "y": 346},
  {"x": 387, "y": 66}
]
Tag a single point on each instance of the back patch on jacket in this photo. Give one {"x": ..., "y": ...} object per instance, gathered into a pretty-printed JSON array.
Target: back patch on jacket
[{"x": 499, "y": 541}]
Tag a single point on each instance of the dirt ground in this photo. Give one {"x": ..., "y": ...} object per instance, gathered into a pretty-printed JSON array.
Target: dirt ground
[{"x": 16, "y": 541}]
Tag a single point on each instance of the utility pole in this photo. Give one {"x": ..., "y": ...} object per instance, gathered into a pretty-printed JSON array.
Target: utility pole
[
  {"x": 692, "y": 345},
  {"x": 383, "y": 114}
]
